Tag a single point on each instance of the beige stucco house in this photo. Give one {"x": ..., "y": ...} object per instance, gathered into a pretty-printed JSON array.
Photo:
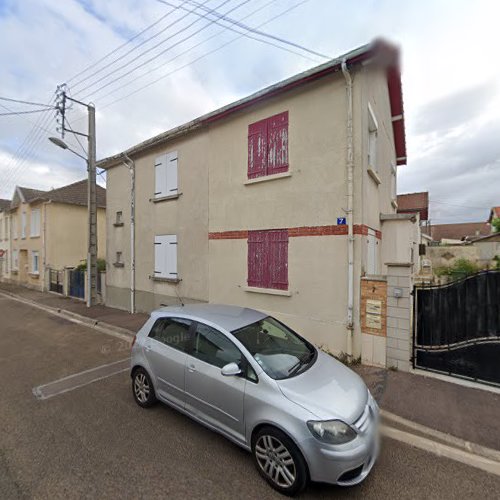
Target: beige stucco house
[
  {"x": 4, "y": 236},
  {"x": 48, "y": 230},
  {"x": 276, "y": 202}
]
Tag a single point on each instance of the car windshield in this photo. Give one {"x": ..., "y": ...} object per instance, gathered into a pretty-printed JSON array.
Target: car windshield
[{"x": 279, "y": 351}]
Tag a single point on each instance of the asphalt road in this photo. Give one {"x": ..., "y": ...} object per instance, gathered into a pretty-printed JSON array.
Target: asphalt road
[{"x": 95, "y": 442}]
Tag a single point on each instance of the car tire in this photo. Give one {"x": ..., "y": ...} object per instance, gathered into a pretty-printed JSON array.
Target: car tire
[
  {"x": 142, "y": 388},
  {"x": 279, "y": 461}
]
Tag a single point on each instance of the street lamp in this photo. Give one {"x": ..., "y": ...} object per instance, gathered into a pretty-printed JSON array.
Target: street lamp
[{"x": 90, "y": 159}]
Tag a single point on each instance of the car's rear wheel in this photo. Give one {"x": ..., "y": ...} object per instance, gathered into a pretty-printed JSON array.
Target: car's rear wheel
[
  {"x": 142, "y": 388},
  {"x": 279, "y": 461}
]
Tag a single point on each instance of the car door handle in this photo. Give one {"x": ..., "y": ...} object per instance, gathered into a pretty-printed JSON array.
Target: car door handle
[
  {"x": 147, "y": 347},
  {"x": 191, "y": 368}
]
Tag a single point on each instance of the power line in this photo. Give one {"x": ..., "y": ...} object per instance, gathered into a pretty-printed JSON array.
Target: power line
[
  {"x": 456, "y": 205},
  {"x": 12, "y": 113},
  {"x": 106, "y": 105},
  {"x": 114, "y": 51},
  {"x": 144, "y": 63},
  {"x": 130, "y": 82},
  {"x": 24, "y": 102},
  {"x": 134, "y": 48},
  {"x": 249, "y": 28}
]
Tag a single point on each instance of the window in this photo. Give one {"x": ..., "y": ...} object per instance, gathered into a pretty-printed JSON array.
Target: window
[
  {"x": 35, "y": 262},
  {"x": 173, "y": 332},
  {"x": 394, "y": 175},
  {"x": 372, "y": 140},
  {"x": 214, "y": 347},
  {"x": 119, "y": 219},
  {"x": 23, "y": 225},
  {"x": 118, "y": 257},
  {"x": 14, "y": 226},
  {"x": 268, "y": 146},
  {"x": 166, "y": 257},
  {"x": 166, "y": 175},
  {"x": 268, "y": 259},
  {"x": 15, "y": 260},
  {"x": 35, "y": 223},
  {"x": 280, "y": 352}
]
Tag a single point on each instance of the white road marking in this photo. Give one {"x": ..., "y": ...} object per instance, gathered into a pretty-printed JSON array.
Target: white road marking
[
  {"x": 442, "y": 450},
  {"x": 457, "y": 442},
  {"x": 80, "y": 379}
]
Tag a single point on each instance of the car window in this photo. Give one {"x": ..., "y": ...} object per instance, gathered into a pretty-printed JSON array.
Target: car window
[
  {"x": 173, "y": 332},
  {"x": 280, "y": 352},
  {"x": 214, "y": 347}
]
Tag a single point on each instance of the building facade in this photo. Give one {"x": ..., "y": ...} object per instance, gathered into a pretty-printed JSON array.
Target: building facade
[
  {"x": 273, "y": 202},
  {"x": 4, "y": 237},
  {"x": 48, "y": 230}
]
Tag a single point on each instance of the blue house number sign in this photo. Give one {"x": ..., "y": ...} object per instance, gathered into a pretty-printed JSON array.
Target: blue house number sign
[{"x": 341, "y": 221}]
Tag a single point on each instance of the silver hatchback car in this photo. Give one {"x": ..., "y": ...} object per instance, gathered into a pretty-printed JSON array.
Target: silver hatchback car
[{"x": 302, "y": 414}]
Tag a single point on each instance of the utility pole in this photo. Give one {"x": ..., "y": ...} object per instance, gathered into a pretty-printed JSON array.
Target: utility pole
[
  {"x": 62, "y": 97},
  {"x": 92, "y": 209}
]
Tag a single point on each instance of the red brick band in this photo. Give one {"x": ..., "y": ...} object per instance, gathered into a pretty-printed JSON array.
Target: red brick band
[{"x": 299, "y": 231}]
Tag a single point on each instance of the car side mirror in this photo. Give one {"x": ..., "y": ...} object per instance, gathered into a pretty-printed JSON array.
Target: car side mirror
[{"x": 231, "y": 370}]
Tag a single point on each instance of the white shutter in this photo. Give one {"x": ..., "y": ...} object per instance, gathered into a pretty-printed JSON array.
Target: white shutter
[
  {"x": 171, "y": 161},
  {"x": 166, "y": 256},
  {"x": 35, "y": 223},
  {"x": 161, "y": 177}
]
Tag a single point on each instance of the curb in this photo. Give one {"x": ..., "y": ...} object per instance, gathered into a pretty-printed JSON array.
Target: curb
[{"x": 93, "y": 323}]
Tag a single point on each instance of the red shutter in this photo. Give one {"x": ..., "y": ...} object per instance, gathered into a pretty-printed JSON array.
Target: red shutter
[
  {"x": 257, "y": 149},
  {"x": 277, "y": 158},
  {"x": 277, "y": 259},
  {"x": 256, "y": 258}
]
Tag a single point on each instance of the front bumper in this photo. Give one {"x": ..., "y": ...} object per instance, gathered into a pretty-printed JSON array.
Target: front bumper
[{"x": 349, "y": 464}]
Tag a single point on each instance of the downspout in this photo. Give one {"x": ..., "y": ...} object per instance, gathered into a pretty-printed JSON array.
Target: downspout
[
  {"x": 131, "y": 166},
  {"x": 349, "y": 211}
]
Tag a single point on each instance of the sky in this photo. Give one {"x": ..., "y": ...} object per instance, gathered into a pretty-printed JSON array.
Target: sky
[{"x": 190, "y": 66}]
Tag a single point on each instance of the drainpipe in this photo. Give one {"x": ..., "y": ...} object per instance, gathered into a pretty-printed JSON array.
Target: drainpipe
[
  {"x": 349, "y": 211},
  {"x": 131, "y": 166}
]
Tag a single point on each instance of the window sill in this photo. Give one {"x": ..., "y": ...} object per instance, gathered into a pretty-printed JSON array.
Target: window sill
[
  {"x": 34, "y": 236},
  {"x": 165, "y": 280},
  {"x": 14, "y": 271},
  {"x": 118, "y": 264},
  {"x": 34, "y": 275},
  {"x": 118, "y": 224},
  {"x": 265, "y": 178},
  {"x": 373, "y": 174},
  {"x": 268, "y": 291},
  {"x": 165, "y": 198}
]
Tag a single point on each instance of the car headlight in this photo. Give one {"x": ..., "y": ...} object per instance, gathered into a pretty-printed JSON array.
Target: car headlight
[{"x": 331, "y": 431}]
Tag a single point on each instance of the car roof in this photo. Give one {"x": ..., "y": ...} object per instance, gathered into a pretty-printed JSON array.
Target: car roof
[{"x": 227, "y": 317}]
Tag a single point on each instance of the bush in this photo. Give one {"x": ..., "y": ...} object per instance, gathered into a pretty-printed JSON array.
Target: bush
[
  {"x": 461, "y": 268},
  {"x": 101, "y": 265}
]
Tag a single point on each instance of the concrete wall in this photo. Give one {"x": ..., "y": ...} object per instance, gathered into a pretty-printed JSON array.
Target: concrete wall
[
  {"x": 217, "y": 197},
  {"x": 445, "y": 256},
  {"x": 66, "y": 229},
  {"x": 185, "y": 216},
  {"x": 399, "y": 313}
]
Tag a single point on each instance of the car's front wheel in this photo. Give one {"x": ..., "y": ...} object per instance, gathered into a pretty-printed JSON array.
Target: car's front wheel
[
  {"x": 279, "y": 461},
  {"x": 142, "y": 388}
]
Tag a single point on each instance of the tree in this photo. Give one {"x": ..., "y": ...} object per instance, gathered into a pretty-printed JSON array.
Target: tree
[{"x": 495, "y": 224}]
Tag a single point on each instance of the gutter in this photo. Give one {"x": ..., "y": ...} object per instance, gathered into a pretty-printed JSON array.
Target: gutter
[
  {"x": 130, "y": 164},
  {"x": 349, "y": 210}
]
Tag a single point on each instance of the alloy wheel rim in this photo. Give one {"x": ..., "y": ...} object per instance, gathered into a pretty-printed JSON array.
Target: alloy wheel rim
[
  {"x": 141, "y": 387},
  {"x": 275, "y": 461}
]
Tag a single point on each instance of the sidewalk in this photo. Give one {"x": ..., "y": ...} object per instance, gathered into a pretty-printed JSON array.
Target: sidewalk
[
  {"x": 115, "y": 317},
  {"x": 464, "y": 412}
]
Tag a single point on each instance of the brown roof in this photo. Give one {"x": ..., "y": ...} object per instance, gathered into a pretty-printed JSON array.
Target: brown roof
[
  {"x": 28, "y": 194},
  {"x": 495, "y": 212},
  {"x": 461, "y": 231},
  {"x": 4, "y": 204},
  {"x": 414, "y": 203},
  {"x": 72, "y": 194}
]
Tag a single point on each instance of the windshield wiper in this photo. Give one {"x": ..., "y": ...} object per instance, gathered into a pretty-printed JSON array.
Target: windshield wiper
[{"x": 301, "y": 362}]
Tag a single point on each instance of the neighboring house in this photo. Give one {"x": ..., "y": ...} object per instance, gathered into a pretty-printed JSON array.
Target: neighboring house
[
  {"x": 488, "y": 250},
  {"x": 414, "y": 203},
  {"x": 249, "y": 204},
  {"x": 4, "y": 237},
  {"x": 450, "y": 233},
  {"x": 48, "y": 230},
  {"x": 494, "y": 214}
]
